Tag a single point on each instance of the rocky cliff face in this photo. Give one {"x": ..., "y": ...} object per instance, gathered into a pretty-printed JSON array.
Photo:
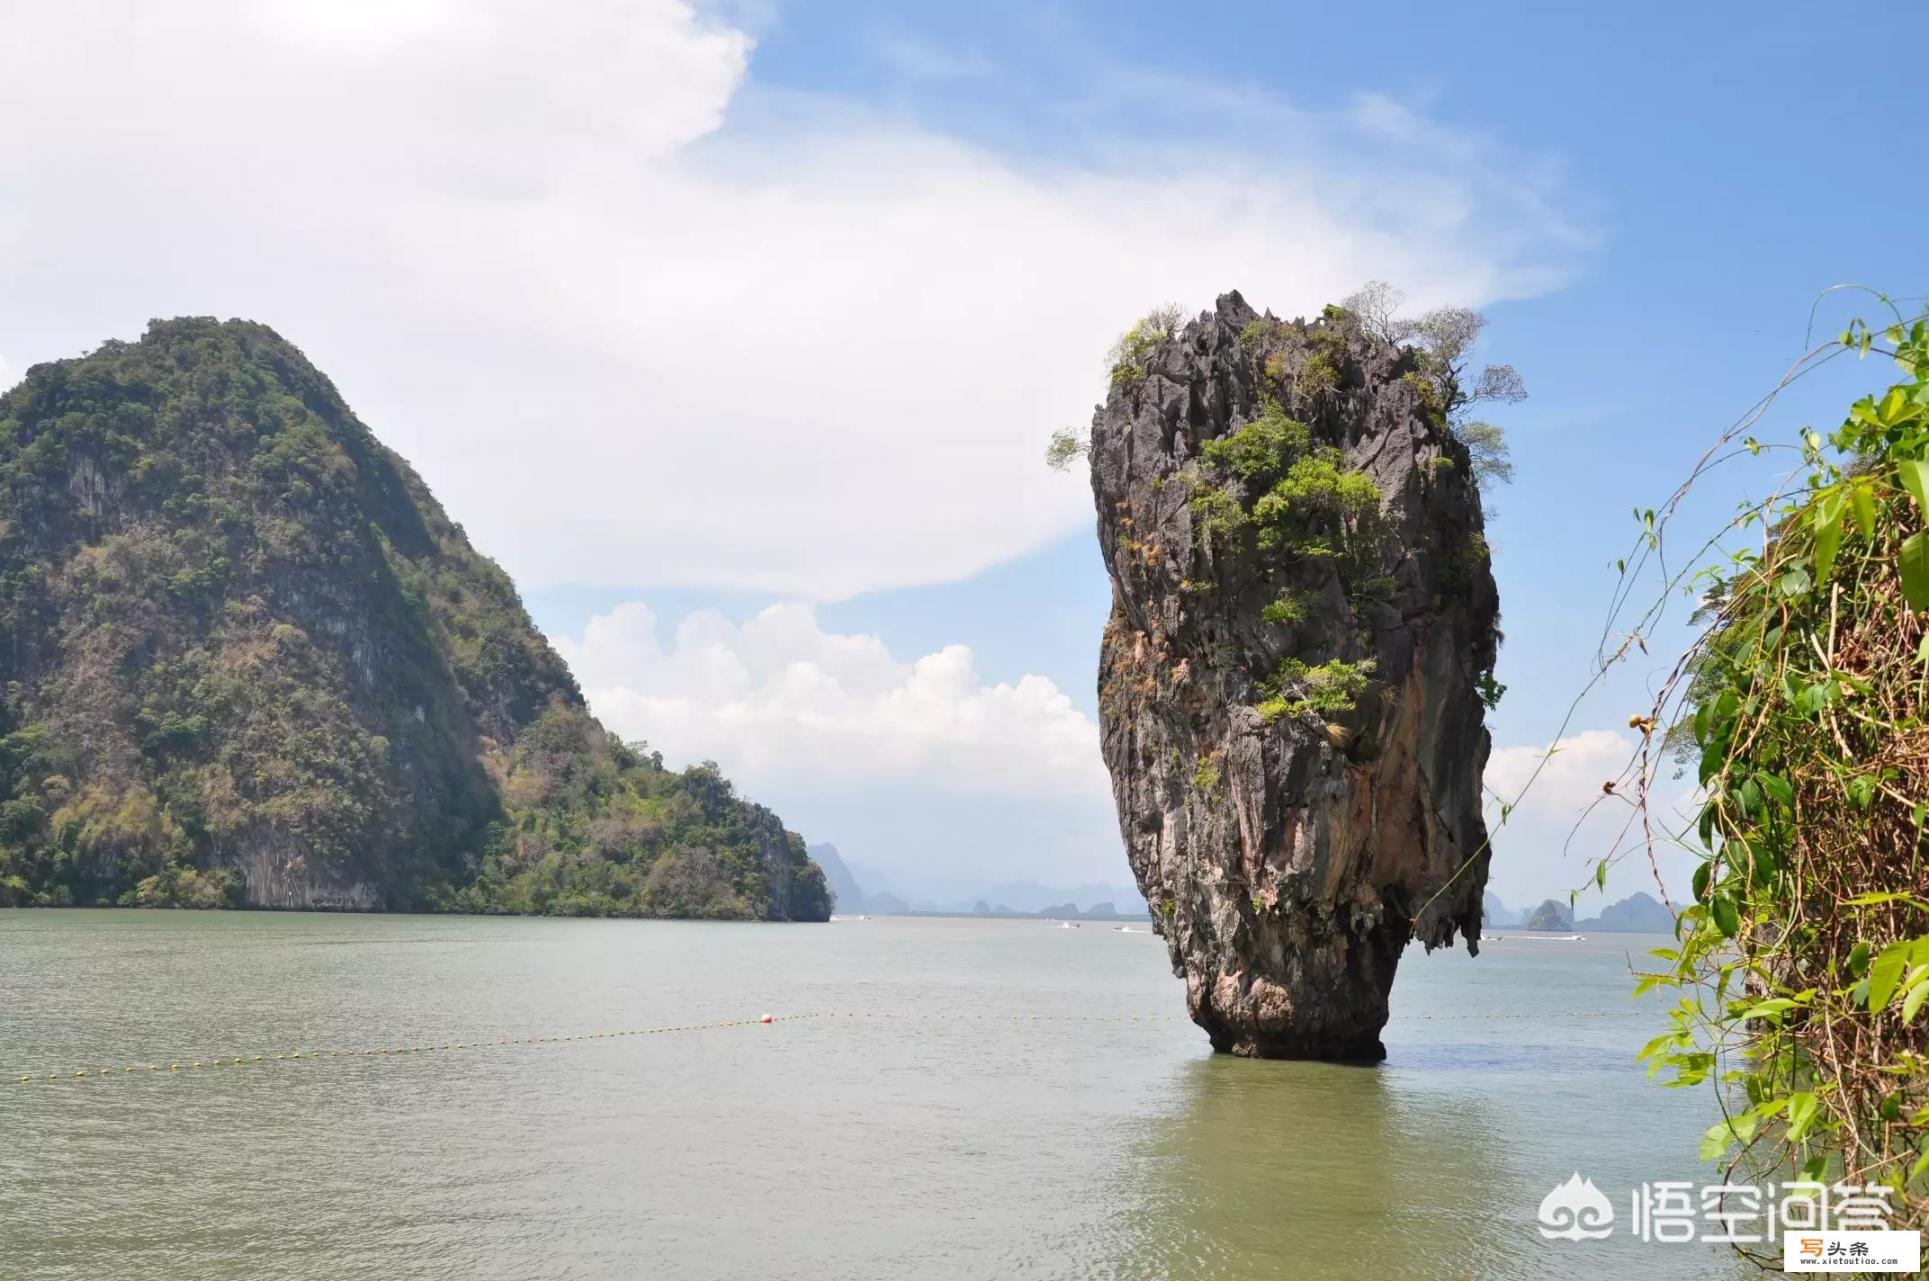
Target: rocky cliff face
[
  {"x": 1291, "y": 680},
  {"x": 247, "y": 658}
]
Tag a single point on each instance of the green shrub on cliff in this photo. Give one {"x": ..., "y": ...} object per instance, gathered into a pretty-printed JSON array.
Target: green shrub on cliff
[
  {"x": 1299, "y": 689},
  {"x": 238, "y": 632},
  {"x": 1128, "y": 357},
  {"x": 1445, "y": 384}
]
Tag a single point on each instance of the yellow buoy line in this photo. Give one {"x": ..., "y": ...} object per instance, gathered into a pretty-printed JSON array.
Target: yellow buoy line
[{"x": 398, "y": 1051}]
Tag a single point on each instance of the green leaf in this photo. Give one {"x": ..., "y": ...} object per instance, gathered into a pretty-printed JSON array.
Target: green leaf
[
  {"x": 1776, "y": 786},
  {"x": 1862, "y": 503},
  {"x": 1828, "y": 533},
  {"x": 1913, "y": 1002},
  {"x": 1600, "y": 874},
  {"x": 1700, "y": 883},
  {"x": 1885, "y": 972},
  {"x": 1914, "y": 475},
  {"x": 1765, "y": 1009},
  {"x": 1876, "y": 898},
  {"x": 1816, "y": 697},
  {"x": 1802, "y": 1109},
  {"x": 1922, "y": 1163},
  {"x": 1727, "y": 916},
  {"x": 1794, "y": 581},
  {"x": 1914, "y": 567},
  {"x": 1859, "y": 960}
]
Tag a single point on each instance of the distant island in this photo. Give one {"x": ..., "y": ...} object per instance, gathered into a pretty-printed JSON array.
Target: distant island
[
  {"x": 1639, "y": 913},
  {"x": 249, "y": 661},
  {"x": 1550, "y": 915},
  {"x": 1038, "y": 902}
]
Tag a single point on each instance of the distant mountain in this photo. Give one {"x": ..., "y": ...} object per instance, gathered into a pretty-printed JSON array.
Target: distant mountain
[
  {"x": 1032, "y": 897},
  {"x": 1637, "y": 914},
  {"x": 847, "y": 882},
  {"x": 1550, "y": 915},
  {"x": 248, "y": 659},
  {"x": 1494, "y": 914},
  {"x": 846, "y": 896}
]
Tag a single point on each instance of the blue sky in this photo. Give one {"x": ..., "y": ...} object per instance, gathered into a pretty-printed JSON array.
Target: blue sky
[
  {"x": 752, "y": 320},
  {"x": 1724, "y": 167}
]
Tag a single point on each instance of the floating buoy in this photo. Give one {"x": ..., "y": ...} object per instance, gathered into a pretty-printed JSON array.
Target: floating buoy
[{"x": 766, "y": 1019}]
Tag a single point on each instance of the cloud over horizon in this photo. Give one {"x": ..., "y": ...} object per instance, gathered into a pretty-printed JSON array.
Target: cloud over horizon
[
  {"x": 1563, "y": 823},
  {"x": 778, "y": 700},
  {"x": 919, "y": 767},
  {"x": 641, "y": 321}
]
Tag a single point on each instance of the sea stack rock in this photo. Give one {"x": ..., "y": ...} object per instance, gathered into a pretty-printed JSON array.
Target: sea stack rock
[{"x": 1303, "y": 626}]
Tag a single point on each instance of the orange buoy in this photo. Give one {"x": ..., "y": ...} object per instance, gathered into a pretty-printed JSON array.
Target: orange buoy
[{"x": 766, "y": 1019}]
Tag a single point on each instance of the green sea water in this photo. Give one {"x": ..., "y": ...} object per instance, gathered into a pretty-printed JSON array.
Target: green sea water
[{"x": 970, "y": 1099}]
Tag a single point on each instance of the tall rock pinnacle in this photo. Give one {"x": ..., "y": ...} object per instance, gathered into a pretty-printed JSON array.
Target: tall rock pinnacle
[{"x": 1303, "y": 625}]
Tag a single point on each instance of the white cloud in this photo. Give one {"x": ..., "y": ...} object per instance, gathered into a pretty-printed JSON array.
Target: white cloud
[
  {"x": 919, "y": 769},
  {"x": 780, "y": 702},
  {"x": 640, "y": 323},
  {"x": 1563, "y": 822}
]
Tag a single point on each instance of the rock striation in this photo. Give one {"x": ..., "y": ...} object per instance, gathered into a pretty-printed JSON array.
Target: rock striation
[{"x": 1292, "y": 680}]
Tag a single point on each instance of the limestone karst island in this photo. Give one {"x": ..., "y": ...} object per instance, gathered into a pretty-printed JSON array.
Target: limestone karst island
[{"x": 664, "y": 638}]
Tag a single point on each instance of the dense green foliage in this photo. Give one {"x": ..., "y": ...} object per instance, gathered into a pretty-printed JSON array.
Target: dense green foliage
[
  {"x": 1802, "y": 966},
  {"x": 247, "y": 657},
  {"x": 1316, "y": 518}
]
